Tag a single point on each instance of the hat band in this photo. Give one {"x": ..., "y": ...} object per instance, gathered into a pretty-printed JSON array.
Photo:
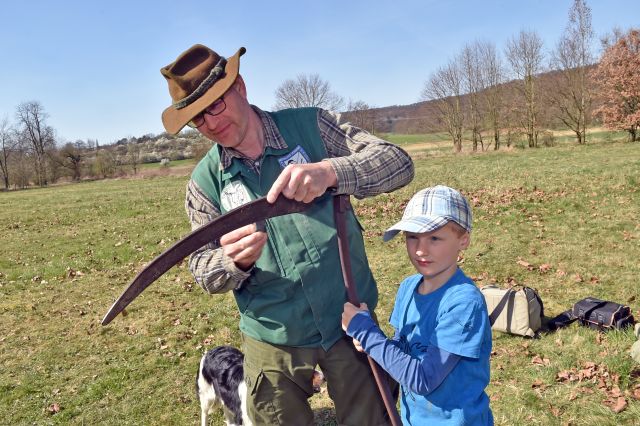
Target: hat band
[{"x": 216, "y": 74}]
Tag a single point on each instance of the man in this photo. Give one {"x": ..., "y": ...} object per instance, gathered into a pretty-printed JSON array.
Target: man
[{"x": 285, "y": 274}]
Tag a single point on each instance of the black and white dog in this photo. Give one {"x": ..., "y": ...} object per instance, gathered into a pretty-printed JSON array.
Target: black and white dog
[{"x": 220, "y": 382}]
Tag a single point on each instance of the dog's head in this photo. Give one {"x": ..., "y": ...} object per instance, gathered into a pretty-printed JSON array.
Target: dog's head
[{"x": 317, "y": 381}]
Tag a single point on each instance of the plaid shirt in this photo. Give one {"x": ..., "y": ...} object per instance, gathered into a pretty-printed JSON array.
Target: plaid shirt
[{"x": 364, "y": 164}]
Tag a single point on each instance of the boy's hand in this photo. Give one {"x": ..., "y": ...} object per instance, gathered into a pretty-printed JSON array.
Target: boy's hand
[
  {"x": 357, "y": 345},
  {"x": 349, "y": 311}
]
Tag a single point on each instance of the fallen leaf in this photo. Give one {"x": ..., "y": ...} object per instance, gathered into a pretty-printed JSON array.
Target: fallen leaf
[
  {"x": 525, "y": 264},
  {"x": 564, "y": 376},
  {"x": 540, "y": 361},
  {"x": 544, "y": 268},
  {"x": 601, "y": 383},
  {"x": 615, "y": 392},
  {"x": 578, "y": 278},
  {"x": 620, "y": 405},
  {"x": 538, "y": 383},
  {"x": 54, "y": 408}
]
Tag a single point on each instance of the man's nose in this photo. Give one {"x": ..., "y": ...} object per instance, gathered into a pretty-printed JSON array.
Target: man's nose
[{"x": 211, "y": 121}]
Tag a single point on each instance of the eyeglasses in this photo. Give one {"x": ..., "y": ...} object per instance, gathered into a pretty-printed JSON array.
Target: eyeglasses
[{"x": 214, "y": 109}]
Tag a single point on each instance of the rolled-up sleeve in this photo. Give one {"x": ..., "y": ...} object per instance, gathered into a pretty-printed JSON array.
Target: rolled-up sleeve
[
  {"x": 364, "y": 164},
  {"x": 212, "y": 269}
]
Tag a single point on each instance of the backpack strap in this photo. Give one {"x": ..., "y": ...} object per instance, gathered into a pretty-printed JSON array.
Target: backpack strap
[
  {"x": 562, "y": 320},
  {"x": 500, "y": 307}
]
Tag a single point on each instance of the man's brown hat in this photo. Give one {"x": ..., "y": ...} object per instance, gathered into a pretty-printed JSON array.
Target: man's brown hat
[{"x": 196, "y": 79}]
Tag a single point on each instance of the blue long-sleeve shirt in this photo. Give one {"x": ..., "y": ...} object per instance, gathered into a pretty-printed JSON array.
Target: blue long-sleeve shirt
[
  {"x": 420, "y": 375},
  {"x": 440, "y": 354}
]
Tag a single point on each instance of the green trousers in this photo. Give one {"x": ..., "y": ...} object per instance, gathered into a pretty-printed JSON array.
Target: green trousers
[{"x": 279, "y": 384}]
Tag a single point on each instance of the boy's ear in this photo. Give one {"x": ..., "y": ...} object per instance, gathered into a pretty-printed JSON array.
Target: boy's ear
[{"x": 465, "y": 240}]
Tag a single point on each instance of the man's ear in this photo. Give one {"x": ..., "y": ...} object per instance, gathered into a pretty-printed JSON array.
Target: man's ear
[{"x": 240, "y": 86}]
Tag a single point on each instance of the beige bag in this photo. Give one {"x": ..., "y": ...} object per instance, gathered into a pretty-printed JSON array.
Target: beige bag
[{"x": 514, "y": 311}]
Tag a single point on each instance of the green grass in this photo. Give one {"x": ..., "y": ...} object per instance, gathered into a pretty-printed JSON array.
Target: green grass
[{"x": 574, "y": 208}]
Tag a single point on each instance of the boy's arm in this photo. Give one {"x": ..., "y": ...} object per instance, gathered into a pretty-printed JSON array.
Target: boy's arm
[{"x": 421, "y": 376}]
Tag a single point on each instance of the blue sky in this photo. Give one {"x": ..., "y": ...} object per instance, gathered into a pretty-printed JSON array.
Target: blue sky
[{"x": 94, "y": 65}]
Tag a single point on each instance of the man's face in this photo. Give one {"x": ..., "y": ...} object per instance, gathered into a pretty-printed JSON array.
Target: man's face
[
  {"x": 229, "y": 128},
  {"x": 434, "y": 254}
]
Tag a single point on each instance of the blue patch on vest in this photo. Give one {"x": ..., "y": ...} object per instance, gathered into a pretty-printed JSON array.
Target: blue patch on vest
[{"x": 297, "y": 156}]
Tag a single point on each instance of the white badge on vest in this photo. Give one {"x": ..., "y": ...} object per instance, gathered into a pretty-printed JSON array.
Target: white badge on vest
[
  {"x": 234, "y": 195},
  {"x": 297, "y": 156}
]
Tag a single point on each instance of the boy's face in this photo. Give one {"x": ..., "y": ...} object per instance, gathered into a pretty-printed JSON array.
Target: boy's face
[{"x": 435, "y": 254}]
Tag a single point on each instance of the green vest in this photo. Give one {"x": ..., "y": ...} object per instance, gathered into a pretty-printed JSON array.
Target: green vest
[{"x": 295, "y": 293}]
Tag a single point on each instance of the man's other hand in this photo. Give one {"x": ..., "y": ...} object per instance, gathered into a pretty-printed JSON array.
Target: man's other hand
[{"x": 244, "y": 245}]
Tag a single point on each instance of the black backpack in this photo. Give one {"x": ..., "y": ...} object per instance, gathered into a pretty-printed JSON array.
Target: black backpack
[{"x": 595, "y": 313}]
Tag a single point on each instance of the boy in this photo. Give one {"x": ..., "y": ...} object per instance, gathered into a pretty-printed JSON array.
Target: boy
[{"x": 440, "y": 351}]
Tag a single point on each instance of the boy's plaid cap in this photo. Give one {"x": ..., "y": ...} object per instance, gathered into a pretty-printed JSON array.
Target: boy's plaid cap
[{"x": 430, "y": 209}]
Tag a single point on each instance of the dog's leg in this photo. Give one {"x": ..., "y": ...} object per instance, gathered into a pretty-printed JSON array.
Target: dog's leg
[
  {"x": 203, "y": 416},
  {"x": 242, "y": 392}
]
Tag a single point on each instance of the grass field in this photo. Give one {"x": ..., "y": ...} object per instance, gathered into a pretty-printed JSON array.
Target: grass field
[{"x": 563, "y": 220}]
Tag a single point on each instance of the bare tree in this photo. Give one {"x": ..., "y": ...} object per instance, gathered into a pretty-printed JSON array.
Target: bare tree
[
  {"x": 105, "y": 164},
  {"x": 21, "y": 172},
  {"x": 7, "y": 145},
  {"x": 492, "y": 77},
  {"x": 609, "y": 39},
  {"x": 361, "y": 115},
  {"x": 571, "y": 93},
  {"x": 134, "y": 156},
  {"x": 525, "y": 56},
  {"x": 445, "y": 87},
  {"x": 472, "y": 80},
  {"x": 40, "y": 137},
  {"x": 307, "y": 91},
  {"x": 71, "y": 156}
]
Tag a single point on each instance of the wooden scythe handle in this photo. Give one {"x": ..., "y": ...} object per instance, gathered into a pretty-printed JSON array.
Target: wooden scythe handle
[{"x": 340, "y": 206}]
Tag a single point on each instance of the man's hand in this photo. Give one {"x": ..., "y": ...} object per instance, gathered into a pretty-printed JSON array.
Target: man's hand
[
  {"x": 348, "y": 313},
  {"x": 303, "y": 182},
  {"x": 244, "y": 245}
]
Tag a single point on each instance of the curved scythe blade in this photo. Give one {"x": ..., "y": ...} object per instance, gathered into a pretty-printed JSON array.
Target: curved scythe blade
[{"x": 246, "y": 214}]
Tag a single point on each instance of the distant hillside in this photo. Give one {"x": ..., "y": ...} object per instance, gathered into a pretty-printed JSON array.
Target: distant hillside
[{"x": 422, "y": 117}]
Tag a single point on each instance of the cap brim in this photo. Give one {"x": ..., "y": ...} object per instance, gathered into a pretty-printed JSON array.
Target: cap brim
[
  {"x": 416, "y": 225},
  {"x": 175, "y": 119}
]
